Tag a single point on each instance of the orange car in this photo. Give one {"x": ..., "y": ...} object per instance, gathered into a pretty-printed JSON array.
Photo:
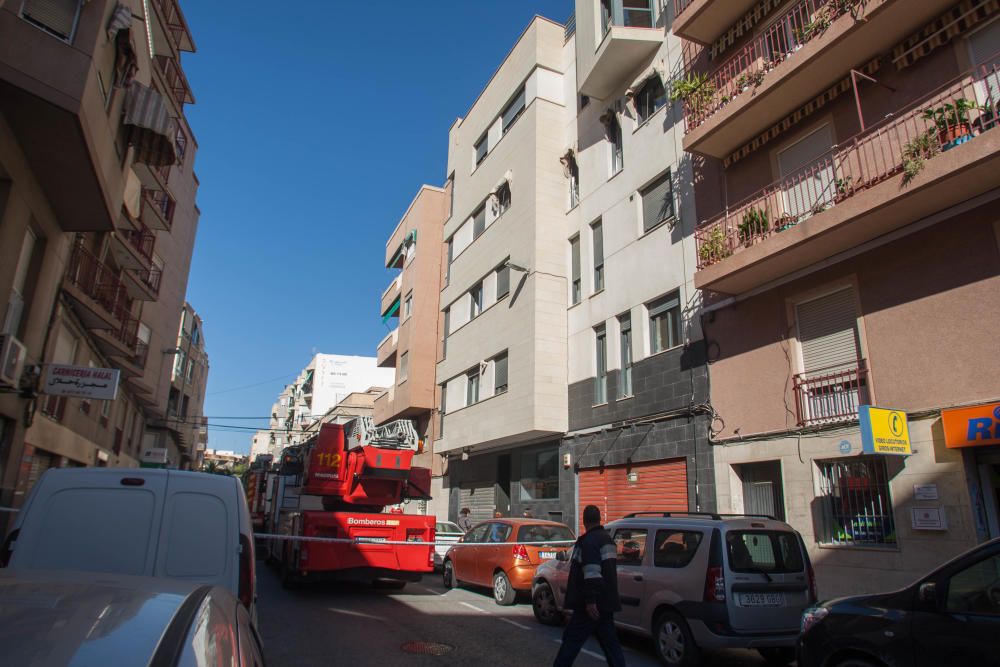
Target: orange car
[{"x": 503, "y": 553}]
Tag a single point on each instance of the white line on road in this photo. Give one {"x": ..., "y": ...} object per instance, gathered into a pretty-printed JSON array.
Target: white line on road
[
  {"x": 472, "y": 606},
  {"x": 430, "y": 590},
  {"x": 515, "y": 623},
  {"x": 593, "y": 654}
]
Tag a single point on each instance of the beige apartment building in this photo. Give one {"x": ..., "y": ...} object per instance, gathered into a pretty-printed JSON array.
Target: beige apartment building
[
  {"x": 97, "y": 225},
  {"x": 188, "y": 380},
  {"x": 846, "y": 157},
  {"x": 503, "y": 368},
  {"x": 411, "y": 347}
]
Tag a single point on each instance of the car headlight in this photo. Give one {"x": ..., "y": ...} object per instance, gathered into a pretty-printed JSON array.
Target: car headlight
[{"x": 812, "y": 616}]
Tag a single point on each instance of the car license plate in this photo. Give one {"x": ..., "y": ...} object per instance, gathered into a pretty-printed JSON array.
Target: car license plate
[
  {"x": 762, "y": 599},
  {"x": 546, "y": 555}
]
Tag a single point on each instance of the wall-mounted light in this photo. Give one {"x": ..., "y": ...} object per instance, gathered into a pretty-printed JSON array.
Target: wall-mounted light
[{"x": 567, "y": 460}]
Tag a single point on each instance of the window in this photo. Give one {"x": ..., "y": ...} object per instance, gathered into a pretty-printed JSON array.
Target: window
[
  {"x": 444, "y": 339},
  {"x": 15, "y": 306},
  {"x": 973, "y": 590},
  {"x": 479, "y": 222},
  {"x": 503, "y": 281},
  {"x": 480, "y": 148},
  {"x": 513, "y": 111},
  {"x": 625, "y": 343},
  {"x": 476, "y": 302},
  {"x": 675, "y": 548},
  {"x": 657, "y": 202},
  {"x": 472, "y": 388},
  {"x": 451, "y": 194},
  {"x": 601, "y": 375},
  {"x": 451, "y": 257},
  {"x": 630, "y": 544},
  {"x": 597, "y": 236},
  {"x": 576, "y": 293},
  {"x": 770, "y": 551},
  {"x": 637, "y": 13},
  {"x": 615, "y": 138},
  {"x": 650, "y": 98},
  {"x": 444, "y": 410},
  {"x": 540, "y": 474},
  {"x": 503, "y": 198},
  {"x": 408, "y": 305},
  {"x": 404, "y": 366},
  {"x": 500, "y": 374},
  {"x": 498, "y": 532},
  {"x": 57, "y": 17},
  {"x": 544, "y": 533},
  {"x": 855, "y": 504},
  {"x": 664, "y": 323},
  {"x": 574, "y": 184},
  {"x": 477, "y": 534},
  {"x": 190, "y": 370}
]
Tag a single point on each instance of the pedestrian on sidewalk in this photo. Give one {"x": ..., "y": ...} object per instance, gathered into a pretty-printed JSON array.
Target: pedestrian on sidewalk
[
  {"x": 592, "y": 593},
  {"x": 464, "y": 521},
  {"x": 527, "y": 514}
]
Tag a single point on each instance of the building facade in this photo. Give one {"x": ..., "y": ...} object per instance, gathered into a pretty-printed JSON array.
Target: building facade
[
  {"x": 411, "y": 348},
  {"x": 845, "y": 158},
  {"x": 97, "y": 225},
  {"x": 188, "y": 380}
]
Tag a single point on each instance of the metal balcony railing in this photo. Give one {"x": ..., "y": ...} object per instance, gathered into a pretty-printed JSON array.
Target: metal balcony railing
[
  {"x": 832, "y": 394},
  {"x": 142, "y": 240},
  {"x": 173, "y": 74},
  {"x": 746, "y": 68},
  {"x": 175, "y": 24},
  {"x": 680, "y": 6},
  {"x": 899, "y": 144},
  {"x": 141, "y": 354},
  {"x": 162, "y": 202},
  {"x": 96, "y": 280},
  {"x": 128, "y": 332}
]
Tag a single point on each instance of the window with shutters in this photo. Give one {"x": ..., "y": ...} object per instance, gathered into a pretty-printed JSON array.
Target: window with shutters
[
  {"x": 479, "y": 222},
  {"x": 601, "y": 364},
  {"x": 444, "y": 338},
  {"x": 17, "y": 304},
  {"x": 597, "y": 236},
  {"x": 576, "y": 291},
  {"x": 481, "y": 148},
  {"x": 56, "y": 17},
  {"x": 664, "y": 323},
  {"x": 657, "y": 202},
  {"x": 472, "y": 387},
  {"x": 833, "y": 381},
  {"x": 614, "y": 130},
  {"x": 404, "y": 367},
  {"x": 513, "y": 111},
  {"x": 408, "y": 305},
  {"x": 984, "y": 49},
  {"x": 500, "y": 374},
  {"x": 503, "y": 281},
  {"x": 475, "y": 301},
  {"x": 651, "y": 98},
  {"x": 443, "y": 411}
]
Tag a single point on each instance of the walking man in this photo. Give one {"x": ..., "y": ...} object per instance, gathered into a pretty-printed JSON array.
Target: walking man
[
  {"x": 464, "y": 520},
  {"x": 592, "y": 593}
]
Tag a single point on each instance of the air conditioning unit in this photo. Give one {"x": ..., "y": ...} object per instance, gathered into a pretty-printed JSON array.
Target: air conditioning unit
[{"x": 11, "y": 360}]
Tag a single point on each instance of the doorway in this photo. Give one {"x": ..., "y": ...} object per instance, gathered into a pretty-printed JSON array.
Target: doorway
[
  {"x": 989, "y": 480},
  {"x": 762, "y": 492},
  {"x": 503, "y": 484}
]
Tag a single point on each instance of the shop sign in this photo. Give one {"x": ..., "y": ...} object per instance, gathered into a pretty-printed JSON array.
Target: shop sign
[
  {"x": 100, "y": 384},
  {"x": 972, "y": 427},
  {"x": 884, "y": 431}
]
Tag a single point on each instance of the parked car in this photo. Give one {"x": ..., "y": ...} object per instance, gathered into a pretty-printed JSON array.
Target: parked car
[
  {"x": 494, "y": 553},
  {"x": 949, "y": 617},
  {"x": 164, "y": 523},
  {"x": 449, "y": 533},
  {"x": 82, "y": 618},
  {"x": 695, "y": 581}
]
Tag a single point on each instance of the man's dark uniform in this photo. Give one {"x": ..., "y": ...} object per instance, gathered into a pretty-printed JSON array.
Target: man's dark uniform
[{"x": 593, "y": 578}]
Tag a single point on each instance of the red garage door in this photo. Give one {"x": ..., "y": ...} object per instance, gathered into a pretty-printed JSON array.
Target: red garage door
[{"x": 640, "y": 487}]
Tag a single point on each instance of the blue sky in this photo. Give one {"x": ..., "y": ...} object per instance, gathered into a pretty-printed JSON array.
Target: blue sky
[{"x": 315, "y": 127}]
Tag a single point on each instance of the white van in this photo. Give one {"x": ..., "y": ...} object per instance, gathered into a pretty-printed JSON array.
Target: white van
[{"x": 162, "y": 523}]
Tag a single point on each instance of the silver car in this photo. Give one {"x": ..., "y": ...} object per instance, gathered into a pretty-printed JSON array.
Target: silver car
[
  {"x": 700, "y": 581},
  {"x": 57, "y": 618},
  {"x": 446, "y": 533}
]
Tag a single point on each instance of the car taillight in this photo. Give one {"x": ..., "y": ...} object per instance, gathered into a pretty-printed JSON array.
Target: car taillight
[
  {"x": 520, "y": 552},
  {"x": 246, "y": 572},
  {"x": 715, "y": 585},
  {"x": 811, "y": 573}
]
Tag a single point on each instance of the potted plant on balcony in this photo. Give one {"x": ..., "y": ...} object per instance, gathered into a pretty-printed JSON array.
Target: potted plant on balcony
[
  {"x": 695, "y": 90},
  {"x": 952, "y": 121},
  {"x": 922, "y": 147},
  {"x": 755, "y": 224},
  {"x": 785, "y": 221},
  {"x": 844, "y": 188},
  {"x": 714, "y": 248}
]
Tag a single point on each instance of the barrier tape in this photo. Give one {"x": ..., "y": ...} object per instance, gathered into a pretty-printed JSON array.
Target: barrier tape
[{"x": 376, "y": 540}]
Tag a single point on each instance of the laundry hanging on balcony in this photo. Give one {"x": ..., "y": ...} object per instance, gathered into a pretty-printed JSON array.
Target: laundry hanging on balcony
[
  {"x": 120, "y": 32},
  {"x": 149, "y": 127}
]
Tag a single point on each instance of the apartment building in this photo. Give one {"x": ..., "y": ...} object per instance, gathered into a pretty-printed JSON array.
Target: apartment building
[
  {"x": 846, "y": 157},
  {"x": 188, "y": 380},
  {"x": 638, "y": 423},
  {"x": 410, "y": 302},
  {"x": 97, "y": 224},
  {"x": 502, "y": 371}
]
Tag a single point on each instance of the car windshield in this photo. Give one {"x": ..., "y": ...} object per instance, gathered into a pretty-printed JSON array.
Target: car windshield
[
  {"x": 447, "y": 527},
  {"x": 765, "y": 551},
  {"x": 543, "y": 533}
]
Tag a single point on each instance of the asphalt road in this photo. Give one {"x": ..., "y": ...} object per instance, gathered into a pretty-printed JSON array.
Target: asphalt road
[{"x": 339, "y": 624}]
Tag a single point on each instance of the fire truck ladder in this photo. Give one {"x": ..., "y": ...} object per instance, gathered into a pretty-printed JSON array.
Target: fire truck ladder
[{"x": 398, "y": 434}]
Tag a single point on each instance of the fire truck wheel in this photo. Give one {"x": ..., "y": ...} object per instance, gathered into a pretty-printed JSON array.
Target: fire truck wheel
[
  {"x": 503, "y": 593},
  {"x": 448, "y": 575}
]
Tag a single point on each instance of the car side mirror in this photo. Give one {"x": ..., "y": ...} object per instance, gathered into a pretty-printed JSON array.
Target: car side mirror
[
  {"x": 562, "y": 555},
  {"x": 927, "y": 592}
]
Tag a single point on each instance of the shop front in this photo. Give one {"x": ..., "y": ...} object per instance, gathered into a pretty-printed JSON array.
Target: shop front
[{"x": 975, "y": 432}]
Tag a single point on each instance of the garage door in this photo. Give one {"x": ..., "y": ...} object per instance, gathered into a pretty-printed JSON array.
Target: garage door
[
  {"x": 640, "y": 487},
  {"x": 480, "y": 498}
]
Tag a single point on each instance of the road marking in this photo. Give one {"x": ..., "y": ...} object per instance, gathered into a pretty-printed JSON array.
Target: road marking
[
  {"x": 472, "y": 606},
  {"x": 515, "y": 623},
  {"x": 593, "y": 654},
  {"x": 431, "y": 591}
]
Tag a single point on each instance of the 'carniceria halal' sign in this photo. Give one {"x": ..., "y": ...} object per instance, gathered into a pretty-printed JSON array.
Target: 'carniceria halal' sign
[{"x": 100, "y": 384}]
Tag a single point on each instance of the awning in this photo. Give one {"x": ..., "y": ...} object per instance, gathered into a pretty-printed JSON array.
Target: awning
[
  {"x": 149, "y": 126},
  {"x": 393, "y": 309}
]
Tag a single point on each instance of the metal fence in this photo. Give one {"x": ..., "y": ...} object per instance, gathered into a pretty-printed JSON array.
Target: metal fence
[
  {"x": 830, "y": 395},
  {"x": 855, "y": 503}
]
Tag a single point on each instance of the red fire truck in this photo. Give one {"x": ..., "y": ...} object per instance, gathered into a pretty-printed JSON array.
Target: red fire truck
[
  {"x": 338, "y": 485},
  {"x": 254, "y": 484}
]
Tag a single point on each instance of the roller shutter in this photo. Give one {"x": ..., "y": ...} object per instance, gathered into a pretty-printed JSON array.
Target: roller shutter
[
  {"x": 828, "y": 332},
  {"x": 655, "y": 486},
  {"x": 480, "y": 498}
]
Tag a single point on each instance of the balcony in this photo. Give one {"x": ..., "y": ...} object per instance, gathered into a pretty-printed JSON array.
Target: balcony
[
  {"x": 831, "y": 395},
  {"x": 630, "y": 39},
  {"x": 386, "y": 354},
  {"x": 703, "y": 21},
  {"x": 157, "y": 210},
  {"x": 133, "y": 248},
  {"x": 174, "y": 24},
  {"x": 96, "y": 292},
  {"x": 177, "y": 84},
  {"x": 143, "y": 284},
  {"x": 119, "y": 342},
  {"x": 133, "y": 365},
  {"x": 806, "y": 51},
  {"x": 391, "y": 295},
  {"x": 385, "y": 409},
  {"x": 892, "y": 174}
]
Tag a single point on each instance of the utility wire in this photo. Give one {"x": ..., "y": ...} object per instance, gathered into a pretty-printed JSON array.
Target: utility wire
[{"x": 250, "y": 386}]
